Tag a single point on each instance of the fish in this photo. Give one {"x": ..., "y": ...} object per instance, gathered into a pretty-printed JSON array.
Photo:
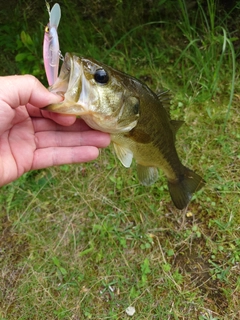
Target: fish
[
  {"x": 137, "y": 119},
  {"x": 51, "y": 51}
]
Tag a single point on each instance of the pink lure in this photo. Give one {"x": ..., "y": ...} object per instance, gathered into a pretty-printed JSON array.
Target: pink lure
[{"x": 51, "y": 53}]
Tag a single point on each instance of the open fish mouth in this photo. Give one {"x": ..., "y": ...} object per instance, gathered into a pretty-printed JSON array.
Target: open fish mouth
[{"x": 71, "y": 85}]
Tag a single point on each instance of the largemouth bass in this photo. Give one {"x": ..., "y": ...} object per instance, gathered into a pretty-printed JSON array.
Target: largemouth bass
[{"x": 112, "y": 101}]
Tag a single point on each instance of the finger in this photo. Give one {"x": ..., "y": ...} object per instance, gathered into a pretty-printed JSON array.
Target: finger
[
  {"x": 64, "y": 120},
  {"x": 41, "y": 124},
  {"x": 20, "y": 90},
  {"x": 70, "y": 139},
  {"x": 48, "y": 157}
]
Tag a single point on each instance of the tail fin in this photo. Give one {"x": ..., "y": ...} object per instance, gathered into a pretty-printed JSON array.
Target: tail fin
[{"x": 181, "y": 191}]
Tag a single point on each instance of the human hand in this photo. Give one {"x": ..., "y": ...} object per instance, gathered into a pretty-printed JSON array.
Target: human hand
[{"x": 31, "y": 138}]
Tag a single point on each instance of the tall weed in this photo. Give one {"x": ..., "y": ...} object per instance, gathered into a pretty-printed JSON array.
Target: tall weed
[{"x": 208, "y": 59}]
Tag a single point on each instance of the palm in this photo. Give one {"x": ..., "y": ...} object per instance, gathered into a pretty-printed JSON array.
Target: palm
[
  {"x": 31, "y": 138},
  {"x": 17, "y": 143}
]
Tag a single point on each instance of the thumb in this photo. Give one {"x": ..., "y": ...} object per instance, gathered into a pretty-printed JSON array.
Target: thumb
[{"x": 20, "y": 90}]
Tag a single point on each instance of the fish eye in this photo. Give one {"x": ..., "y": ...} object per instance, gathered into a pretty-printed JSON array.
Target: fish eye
[
  {"x": 101, "y": 76},
  {"x": 47, "y": 29}
]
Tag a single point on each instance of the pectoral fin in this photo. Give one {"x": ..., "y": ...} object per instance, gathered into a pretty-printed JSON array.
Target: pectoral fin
[
  {"x": 124, "y": 155},
  {"x": 147, "y": 175}
]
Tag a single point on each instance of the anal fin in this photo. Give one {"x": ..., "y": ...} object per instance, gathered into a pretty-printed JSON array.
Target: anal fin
[{"x": 147, "y": 175}]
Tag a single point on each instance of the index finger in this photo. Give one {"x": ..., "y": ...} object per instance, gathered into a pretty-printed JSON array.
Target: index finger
[
  {"x": 41, "y": 124},
  {"x": 64, "y": 120}
]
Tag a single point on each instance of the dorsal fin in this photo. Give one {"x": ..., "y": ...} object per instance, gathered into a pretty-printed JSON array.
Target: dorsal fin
[
  {"x": 176, "y": 124},
  {"x": 165, "y": 97}
]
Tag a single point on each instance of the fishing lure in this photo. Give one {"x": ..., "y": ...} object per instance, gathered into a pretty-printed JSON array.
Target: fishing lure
[{"x": 51, "y": 52}]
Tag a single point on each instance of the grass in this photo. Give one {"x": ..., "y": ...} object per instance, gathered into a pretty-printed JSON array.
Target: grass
[{"x": 87, "y": 241}]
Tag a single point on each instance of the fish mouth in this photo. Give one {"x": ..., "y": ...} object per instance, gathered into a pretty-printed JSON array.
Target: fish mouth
[{"x": 72, "y": 86}]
